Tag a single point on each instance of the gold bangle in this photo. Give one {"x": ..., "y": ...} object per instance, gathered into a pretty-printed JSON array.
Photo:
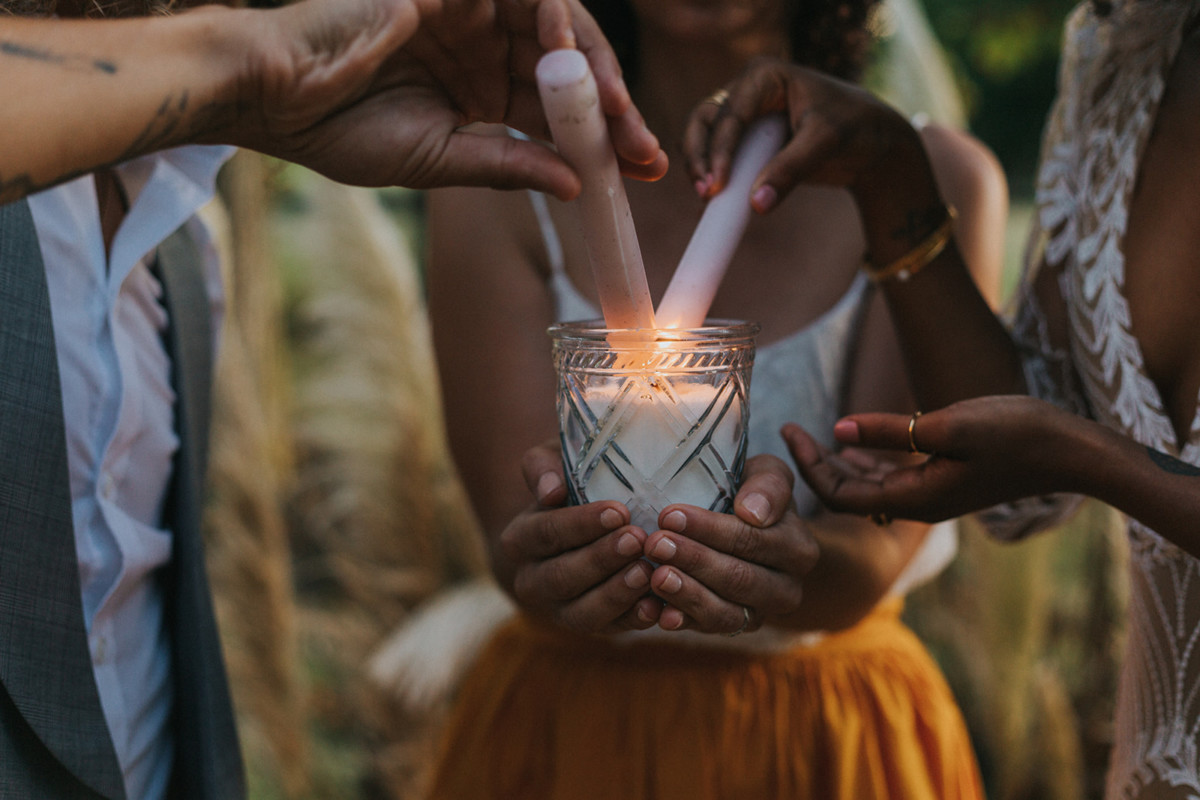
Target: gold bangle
[{"x": 920, "y": 256}]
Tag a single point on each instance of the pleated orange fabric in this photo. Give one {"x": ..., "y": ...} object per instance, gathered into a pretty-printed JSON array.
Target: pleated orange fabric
[{"x": 864, "y": 714}]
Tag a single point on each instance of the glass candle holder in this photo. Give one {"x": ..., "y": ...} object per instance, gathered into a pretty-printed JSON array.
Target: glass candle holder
[{"x": 650, "y": 418}]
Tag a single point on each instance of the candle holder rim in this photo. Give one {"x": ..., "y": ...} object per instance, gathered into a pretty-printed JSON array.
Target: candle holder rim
[{"x": 718, "y": 327}]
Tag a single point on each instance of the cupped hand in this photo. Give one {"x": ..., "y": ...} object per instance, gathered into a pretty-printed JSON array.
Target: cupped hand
[
  {"x": 981, "y": 452},
  {"x": 579, "y": 567},
  {"x": 729, "y": 573},
  {"x": 840, "y": 132},
  {"x": 378, "y": 92}
]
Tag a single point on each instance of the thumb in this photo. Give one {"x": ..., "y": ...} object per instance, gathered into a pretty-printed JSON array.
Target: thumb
[{"x": 542, "y": 468}]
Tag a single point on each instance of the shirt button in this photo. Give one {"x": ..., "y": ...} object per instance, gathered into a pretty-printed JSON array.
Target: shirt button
[{"x": 108, "y": 487}]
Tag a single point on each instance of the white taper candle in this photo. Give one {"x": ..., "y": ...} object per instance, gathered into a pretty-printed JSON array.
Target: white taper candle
[
  {"x": 572, "y": 107},
  {"x": 688, "y": 297}
]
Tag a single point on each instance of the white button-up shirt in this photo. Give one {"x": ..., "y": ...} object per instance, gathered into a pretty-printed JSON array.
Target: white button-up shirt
[{"x": 119, "y": 408}]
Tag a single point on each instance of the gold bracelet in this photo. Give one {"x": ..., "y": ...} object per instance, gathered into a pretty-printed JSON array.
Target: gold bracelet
[{"x": 920, "y": 256}]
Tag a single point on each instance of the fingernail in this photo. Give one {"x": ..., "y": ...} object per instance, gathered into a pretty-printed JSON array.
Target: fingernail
[
  {"x": 758, "y": 507},
  {"x": 675, "y": 521},
  {"x": 611, "y": 518},
  {"x": 643, "y": 616},
  {"x": 846, "y": 430},
  {"x": 628, "y": 544},
  {"x": 663, "y": 550},
  {"x": 549, "y": 482},
  {"x": 635, "y": 577},
  {"x": 763, "y": 198},
  {"x": 671, "y": 619},
  {"x": 701, "y": 187},
  {"x": 672, "y": 583}
]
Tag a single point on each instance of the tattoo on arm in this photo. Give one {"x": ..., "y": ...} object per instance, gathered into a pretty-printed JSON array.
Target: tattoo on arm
[
  {"x": 75, "y": 63},
  {"x": 176, "y": 121},
  {"x": 158, "y": 130},
  {"x": 163, "y": 130},
  {"x": 1172, "y": 465}
]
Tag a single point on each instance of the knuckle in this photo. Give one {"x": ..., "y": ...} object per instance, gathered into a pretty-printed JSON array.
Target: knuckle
[
  {"x": 741, "y": 580},
  {"x": 803, "y": 550},
  {"x": 556, "y": 580},
  {"x": 523, "y": 588},
  {"x": 548, "y": 534},
  {"x": 790, "y": 599},
  {"x": 747, "y": 542}
]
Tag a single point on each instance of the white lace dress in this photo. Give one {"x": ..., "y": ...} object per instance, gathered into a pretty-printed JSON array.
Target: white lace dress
[{"x": 1113, "y": 75}]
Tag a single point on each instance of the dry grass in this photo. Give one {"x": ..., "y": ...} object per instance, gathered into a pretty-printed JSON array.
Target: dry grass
[
  {"x": 249, "y": 549},
  {"x": 1029, "y": 636},
  {"x": 335, "y": 507}
]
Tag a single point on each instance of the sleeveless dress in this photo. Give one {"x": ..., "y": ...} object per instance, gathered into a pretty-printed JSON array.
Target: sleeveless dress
[
  {"x": 853, "y": 715},
  {"x": 1112, "y": 78}
]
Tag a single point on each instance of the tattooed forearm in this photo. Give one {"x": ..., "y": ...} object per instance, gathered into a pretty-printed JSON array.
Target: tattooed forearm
[
  {"x": 75, "y": 63},
  {"x": 174, "y": 122},
  {"x": 1172, "y": 465},
  {"x": 161, "y": 127}
]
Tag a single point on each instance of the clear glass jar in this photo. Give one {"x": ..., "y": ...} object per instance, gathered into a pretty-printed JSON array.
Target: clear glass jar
[{"x": 650, "y": 418}]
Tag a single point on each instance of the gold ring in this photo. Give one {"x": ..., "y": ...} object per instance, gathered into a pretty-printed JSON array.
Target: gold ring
[
  {"x": 745, "y": 623},
  {"x": 912, "y": 429},
  {"x": 880, "y": 519},
  {"x": 717, "y": 98}
]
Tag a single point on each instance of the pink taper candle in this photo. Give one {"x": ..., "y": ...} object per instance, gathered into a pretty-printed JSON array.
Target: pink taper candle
[
  {"x": 688, "y": 297},
  {"x": 572, "y": 107}
]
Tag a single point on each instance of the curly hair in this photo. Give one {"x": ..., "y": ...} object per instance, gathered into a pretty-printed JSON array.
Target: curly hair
[{"x": 829, "y": 35}]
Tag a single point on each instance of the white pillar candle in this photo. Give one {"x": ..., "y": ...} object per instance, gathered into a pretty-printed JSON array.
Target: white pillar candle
[
  {"x": 577, "y": 123},
  {"x": 653, "y": 423},
  {"x": 655, "y": 454},
  {"x": 690, "y": 294}
]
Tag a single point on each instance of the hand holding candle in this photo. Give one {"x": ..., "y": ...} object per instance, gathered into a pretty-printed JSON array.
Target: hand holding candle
[
  {"x": 686, "y": 302},
  {"x": 572, "y": 109}
]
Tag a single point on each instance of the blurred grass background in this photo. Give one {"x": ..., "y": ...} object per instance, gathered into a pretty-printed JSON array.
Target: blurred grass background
[{"x": 335, "y": 510}]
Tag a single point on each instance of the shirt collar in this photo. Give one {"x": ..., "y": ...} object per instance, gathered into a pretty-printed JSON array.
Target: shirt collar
[{"x": 165, "y": 189}]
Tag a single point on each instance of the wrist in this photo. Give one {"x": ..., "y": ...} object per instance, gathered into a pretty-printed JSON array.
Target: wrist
[
  {"x": 1092, "y": 456},
  {"x": 217, "y": 44},
  {"x": 897, "y": 195}
]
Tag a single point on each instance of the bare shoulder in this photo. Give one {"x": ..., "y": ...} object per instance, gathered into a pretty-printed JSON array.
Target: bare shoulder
[
  {"x": 972, "y": 180},
  {"x": 966, "y": 168}
]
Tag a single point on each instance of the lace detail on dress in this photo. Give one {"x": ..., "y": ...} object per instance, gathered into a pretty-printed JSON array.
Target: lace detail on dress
[
  {"x": 1113, "y": 74},
  {"x": 1158, "y": 716}
]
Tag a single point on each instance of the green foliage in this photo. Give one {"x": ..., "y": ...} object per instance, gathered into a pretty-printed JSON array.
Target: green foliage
[{"x": 1006, "y": 53}]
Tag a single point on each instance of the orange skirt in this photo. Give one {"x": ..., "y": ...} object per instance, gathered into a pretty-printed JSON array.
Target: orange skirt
[{"x": 862, "y": 714}]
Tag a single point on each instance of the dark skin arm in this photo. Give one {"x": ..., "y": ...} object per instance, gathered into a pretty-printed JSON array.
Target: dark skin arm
[
  {"x": 859, "y": 561},
  {"x": 844, "y": 136},
  {"x": 997, "y": 449}
]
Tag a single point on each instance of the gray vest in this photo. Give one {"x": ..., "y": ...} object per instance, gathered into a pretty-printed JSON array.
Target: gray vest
[{"x": 54, "y": 742}]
